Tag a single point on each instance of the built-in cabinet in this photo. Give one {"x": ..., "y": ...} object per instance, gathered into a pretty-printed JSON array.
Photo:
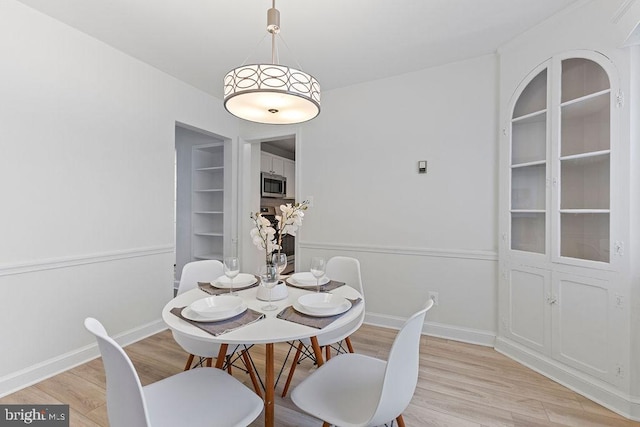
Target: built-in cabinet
[
  {"x": 276, "y": 165},
  {"x": 559, "y": 293},
  {"x": 207, "y": 200}
]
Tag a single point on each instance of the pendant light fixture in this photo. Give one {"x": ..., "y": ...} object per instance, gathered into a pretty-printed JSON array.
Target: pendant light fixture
[{"x": 271, "y": 93}]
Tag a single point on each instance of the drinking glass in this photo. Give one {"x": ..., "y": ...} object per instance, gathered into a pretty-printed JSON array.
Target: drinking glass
[
  {"x": 269, "y": 279},
  {"x": 231, "y": 270},
  {"x": 280, "y": 260},
  {"x": 318, "y": 266}
]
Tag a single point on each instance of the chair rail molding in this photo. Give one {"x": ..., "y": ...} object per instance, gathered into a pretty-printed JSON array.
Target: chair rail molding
[
  {"x": 400, "y": 250},
  {"x": 71, "y": 261}
]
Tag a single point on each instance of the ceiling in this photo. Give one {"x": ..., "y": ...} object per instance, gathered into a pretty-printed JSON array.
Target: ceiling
[{"x": 340, "y": 42}]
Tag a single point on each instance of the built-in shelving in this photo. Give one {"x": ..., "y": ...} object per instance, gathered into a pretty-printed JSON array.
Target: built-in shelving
[{"x": 207, "y": 220}]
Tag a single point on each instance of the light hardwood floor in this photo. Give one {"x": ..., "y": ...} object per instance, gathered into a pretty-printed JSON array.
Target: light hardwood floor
[{"x": 460, "y": 385}]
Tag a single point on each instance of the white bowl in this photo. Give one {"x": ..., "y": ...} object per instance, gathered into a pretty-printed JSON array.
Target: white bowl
[
  {"x": 321, "y": 302},
  {"x": 217, "y": 305}
]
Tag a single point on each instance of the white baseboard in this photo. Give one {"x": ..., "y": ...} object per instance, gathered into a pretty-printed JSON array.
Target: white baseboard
[
  {"x": 593, "y": 389},
  {"x": 440, "y": 330},
  {"x": 41, "y": 371}
]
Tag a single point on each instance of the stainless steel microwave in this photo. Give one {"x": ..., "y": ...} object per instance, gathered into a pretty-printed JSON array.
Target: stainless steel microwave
[{"x": 273, "y": 185}]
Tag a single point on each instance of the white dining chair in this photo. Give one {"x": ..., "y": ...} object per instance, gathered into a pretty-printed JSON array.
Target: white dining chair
[
  {"x": 356, "y": 390},
  {"x": 341, "y": 269},
  {"x": 207, "y": 271},
  {"x": 199, "y": 397}
]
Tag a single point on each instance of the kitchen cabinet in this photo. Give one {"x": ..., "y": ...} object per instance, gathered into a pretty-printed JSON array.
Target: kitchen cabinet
[
  {"x": 559, "y": 295},
  {"x": 207, "y": 201},
  {"x": 272, "y": 164}
]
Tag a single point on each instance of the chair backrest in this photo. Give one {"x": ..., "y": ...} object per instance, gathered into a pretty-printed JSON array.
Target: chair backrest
[
  {"x": 347, "y": 270},
  {"x": 401, "y": 375},
  {"x": 125, "y": 400},
  {"x": 199, "y": 271}
]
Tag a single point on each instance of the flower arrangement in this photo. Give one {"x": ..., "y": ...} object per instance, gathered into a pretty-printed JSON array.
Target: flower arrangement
[{"x": 264, "y": 235}]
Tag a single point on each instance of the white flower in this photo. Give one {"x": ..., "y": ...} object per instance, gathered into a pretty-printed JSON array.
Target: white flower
[{"x": 263, "y": 235}]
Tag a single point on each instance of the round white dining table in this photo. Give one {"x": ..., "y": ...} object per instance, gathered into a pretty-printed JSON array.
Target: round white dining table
[{"x": 268, "y": 330}]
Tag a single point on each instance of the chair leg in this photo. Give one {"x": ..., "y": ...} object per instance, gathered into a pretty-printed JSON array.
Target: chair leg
[
  {"x": 292, "y": 369},
  {"x": 327, "y": 350},
  {"x": 209, "y": 361},
  {"x": 349, "y": 346},
  {"x": 326, "y": 424},
  {"x": 252, "y": 374},
  {"x": 189, "y": 362},
  {"x": 229, "y": 365},
  {"x": 400, "y": 421}
]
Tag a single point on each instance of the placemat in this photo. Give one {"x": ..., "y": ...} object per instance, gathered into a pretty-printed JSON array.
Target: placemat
[
  {"x": 329, "y": 286},
  {"x": 212, "y": 290},
  {"x": 221, "y": 326},
  {"x": 292, "y": 315}
]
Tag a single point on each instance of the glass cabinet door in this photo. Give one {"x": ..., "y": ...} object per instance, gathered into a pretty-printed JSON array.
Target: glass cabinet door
[
  {"x": 529, "y": 167},
  {"x": 584, "y": 168},
  {"x": 574, "y": 156}
]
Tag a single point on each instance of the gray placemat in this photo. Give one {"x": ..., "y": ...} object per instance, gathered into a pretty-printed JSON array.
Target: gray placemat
[
  {"x": 292, "y": 315},
  {"x": 329, "y": 286},
  {"x": 221, "y": 326},
  {"x": 212, "y": 290}
]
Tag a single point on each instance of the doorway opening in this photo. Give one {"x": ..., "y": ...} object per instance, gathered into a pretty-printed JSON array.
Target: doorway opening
[{"x": 278, "y": 163}]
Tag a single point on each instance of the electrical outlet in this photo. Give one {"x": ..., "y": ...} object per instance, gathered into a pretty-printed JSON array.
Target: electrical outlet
[{"x": 434, "y": 296}]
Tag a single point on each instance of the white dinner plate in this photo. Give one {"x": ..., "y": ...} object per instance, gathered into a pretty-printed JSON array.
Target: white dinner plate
[
  {"x": 217, "y": 307},
  {"x": 240, "y": 281},
  {"x": 306, "y": 279},
  {"x": 341, "y": 308}
]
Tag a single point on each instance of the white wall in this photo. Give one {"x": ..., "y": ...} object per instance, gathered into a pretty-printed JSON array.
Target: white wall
[
  {"x": 412, "y": 233},
  {"x": 87, "y": 184}
]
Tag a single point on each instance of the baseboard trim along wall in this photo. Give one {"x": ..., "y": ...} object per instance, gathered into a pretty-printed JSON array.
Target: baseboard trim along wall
[
  {"x": 434, "y": 329},
  {"x": 54, "y": 366},
  {"x": 596, "y": 390},
  {"x": 71, "y": 261}
]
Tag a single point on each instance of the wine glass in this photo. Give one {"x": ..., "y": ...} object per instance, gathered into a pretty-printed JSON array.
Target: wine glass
[
  {"x": 231, "y": 270},
  {"x": 280, "y": 260},
  {"x": 269, "y": 279},
  {"x": 318, "y": 266}
]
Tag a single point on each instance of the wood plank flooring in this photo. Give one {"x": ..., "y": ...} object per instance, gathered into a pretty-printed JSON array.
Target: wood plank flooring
[{"x": 460, "y": 385}]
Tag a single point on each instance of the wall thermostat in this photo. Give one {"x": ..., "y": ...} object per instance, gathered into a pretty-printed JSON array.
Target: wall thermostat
[{"x": 422, "y": 166}]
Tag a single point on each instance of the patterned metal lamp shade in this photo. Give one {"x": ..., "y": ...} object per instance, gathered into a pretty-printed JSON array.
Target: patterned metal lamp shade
[{"x": 271, "y": 93}]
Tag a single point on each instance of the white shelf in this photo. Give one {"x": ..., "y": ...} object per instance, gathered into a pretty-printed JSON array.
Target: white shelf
[
  {"x": 582, "y": 99},
  {"x": 585, "y": 211},
  {"x": 535, "y": 117},
  {"x": 209, "y": 212},
  {"x": 524, "y": 165},
  {"x": 590, "y": 155}
]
